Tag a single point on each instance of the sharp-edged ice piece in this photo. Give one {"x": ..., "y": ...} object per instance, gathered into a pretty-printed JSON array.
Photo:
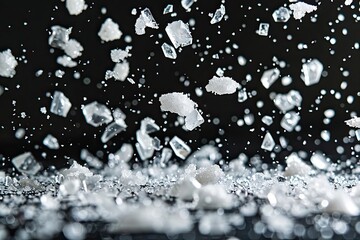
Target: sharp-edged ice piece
[
  {"x": 59, "y": 36},
  {"x": 109, "y": 31},
  {"x": 70, "y": 187},
  {"x": 353, "y": 122},
  {"x": 242, "y": 95},
  {"x": 186, "y": 4},
  {"x": 145, "y": 19},
  {"x": 179, "y": 34},
  {"x": 263, "y": 29},
  {"x": 289, "y": 121},
  {"x": 120, "y": 71},
  {"x": 75, "y": 7},
  {"x": 222, "y": 85},
  {"x": 148, "y": 125},
  {"x": 269, "y": 77},
  {"x": 286, "y": 102},
  {"x": 218, "y": 15},
  {"x": 300, "y": 9},
  {"x": 143, "y": 152},
  {"x": 66, "y": 61},
  {"x": 282, "y": 14},
  {"x": 267, "y": 120},
  {"x": 113, "y": 129},
  {"x": 193, "y": 120},
  {"x": 26, "y": 163},
  {"x": 180, "y": 148},
  {"x": 215, "y": 224},
  {"x": 168, "y": 9},
  {"x": 319, "y": 161},
  {"x": 341, "y": 202},
  {"x": 60, "y": 104},
  {"x": 97, "y": 114},
  {"x": 7, "y": 64},
  {"x": 312, "y": 72},
  {"x": 51, "y": 142},
  {"x": 268, "y": 142},
  {"x": 177, "y": 102},
  {"x": 118, "y": 115},
  {"x": 296, "y": 166},
  {"x": 90, "y": 159},
  {"x": 73, "y": 48},
  {"x": 169, "y": 51}
]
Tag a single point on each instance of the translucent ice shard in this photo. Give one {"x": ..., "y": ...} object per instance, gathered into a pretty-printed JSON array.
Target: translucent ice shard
[
  {"x": 281, "y": 14},
  {"x": 145, "y": 19},
  {"x": 148, "y": 125},
  {"x": 300, "y": 9},
  {"x": 168, "y": 9},
  {"x": 60, "y": 104},
  {"x": 26, "y": 164},
  {"x": 222, "y": 85},
  {"x": 242, "y": 95},
  {"x": 289, "y": 121},
  {"x": 73, "y": 48},
  {"x": 113, "y": 129},
  {"x": 120, "y": 71},
  {"x": 169, "y": 51},
  {"x": 180, "y": 148},
  {"x": 186, "y": 188},
  {"x": 59, "y": 36},
  {"x": 186, "y": 4},
  {"x": 109, "y": 31},
  {"x": 312, "y": 72},
  {"x": 296, "y": 166},
  {"x": 51, "y": 142},
  {"x": 267, "y": 120},
  {"x": 268, "y": 142},
  {"x": 7, "y": 64},
  {"x": 193, "y": 120},
  {"x": 263, "y": 29},
  {"x": 97, "y": 114},
  {"x": 218, "y": 15},
  {"x": 90, "y": 159},
  {"x": 179, "y": 34},
  {"x": 177, "y": 102},
  {"x": 269, "y": 77},
  {"x": 353, "y": 122},
  {"x": 75, "y": 7}
]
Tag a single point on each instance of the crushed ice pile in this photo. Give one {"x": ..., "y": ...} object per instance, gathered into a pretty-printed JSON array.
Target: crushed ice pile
[{"x": 164, "y": 186}]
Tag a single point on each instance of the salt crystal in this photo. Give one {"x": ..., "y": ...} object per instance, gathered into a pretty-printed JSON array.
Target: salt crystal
[
  {"x": 148, "y": 125},
  {"x": 242, "y": 95},
  {"x": 268, "y": 142},
  {"x": 222, "y": 85},
  {"x": 312, "y": 72},
  {"x": 168, "y": 9},
  {"x": 118, "y": 55},
  {"x": 144, "y": 139},
  {"x": 118, "y": 115},
  {"x": 75, "y": 7},
  {"x": 267, "y": 120},
  {"x": 145, "y": 19},
  {"x": 263, "y": 29},
  {"x": 282, "y": 102},
  {"x": 353, "y": 122},
  {"x": 193, "y": 120},
  {"x": 289, "y": 121},
  {"x": 296, "y": 166},
  {"x": 186, "y": 189},
  {"x": 177, "y": 102},
  {"x": 59, "y": 73},
  {"x": 74, "y": 231},
  {"x": 281, "y": 15},
  {"x": 319, "y": 161},
  {"x": 241, "y": 60},
  {"x": 218, "y": 15},
  {"x": 113, "y": 129},
  {"x": 213, "y": 197},
  {"x": 209, "y": 175},
  {"x": 51, "y": 142},
  {"x": 60, "y": 104},
  {"x": 73, "y": 48},
  {"x": 179, "y": 34},
  {"x": 97, "y": 114},
  {"x": 180, "y": 148},
  {"x": 7, "y": 64},
  {"x": 70, "y": 187},
  {"x": 357, "y": 134},
  {"x": 66, "y": 61},
  {"x": 169, "y": 51},
  {"x": 109, "y": 31},
  {"x": 50, "y": 203},
  {"x": 76, "y": 171},
  {"x": 300, "y": 9},
  {"x": 90, "y": 159},
  {"x": 214, "y": 224},
  {"x": 26, "y": 164},
  {"x": 59, "y": 36},
  {"x": 125, "y": 153},
  {"x": 165, "y": 156},
  {"x": 186, "y": 4},
  {"x": 120, "y": 71},
  {"x": 269, "y": 77},
  {"x": 348, "y": 2}
]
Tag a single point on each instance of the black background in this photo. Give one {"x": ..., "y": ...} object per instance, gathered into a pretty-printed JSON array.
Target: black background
[{"x": 164, "y": 75}]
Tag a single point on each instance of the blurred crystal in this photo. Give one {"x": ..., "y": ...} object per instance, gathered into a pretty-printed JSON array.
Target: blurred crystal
[
  {"x": 319, "y": 161},
  {"x": 301, "y": 8},
  {"x": 168, "y": 9},
  {"x": 269, "y": 77},
  {"x": 289, "y": 121},
  {"x": 144, "y": 153},
  {"x": 193, "y": 120},
  {"x": 145, "y": 19},
  {"x": 7, "y": 64},
  {"x": 294, "y": 97},
  {"x": 26, "y": 164},
  {"x": 118, "y": 55},
  {"x": 353, "y": 122},
  {"x": 125, "y": 153},
  {"x": 165, "y": 156},
  {"x": 282, "y": 102},
  {"x": 51, "y": 142},
  {"x": 60, "y": 104},
  {"x": 144, "y": 139},
  {"x": 267, "y": 120},
  {"x": 242, "y": 95},
  {"x": 263, "y": 29},
  {"x": 169, "y": 51},
  {"x": 268, "y": 142},
  {"x": 148, "y": 125},
  {"x": 74, "y": 231},
  {"x": 186, "y": 4},
  {"x": 312, "y": 72},
  {"x": 179, "y": 34},
  {"x": 179, "y": 147},
  {"x": 59, "y": 36},
  {"x": 70, "y": 186},
  {"x": 90, "y": 159},
  {"x": 66, "y": 61},
  {"x": 113, "y": 129},
  {"x": 156, "y": 143},
  {"x": 281, "y": 15},
  {"x": 97, "y": 114},
  {"x": 20, "y": 133},
  {"x": 218, "y": 15},
  {"x": 296, "y": 166},
  {"x": 186, "y": 188}
]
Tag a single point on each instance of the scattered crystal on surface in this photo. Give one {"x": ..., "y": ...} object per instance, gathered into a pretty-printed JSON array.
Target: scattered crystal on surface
[
  {"x": 263, "y": 29},
  {"x": 301, "y": 8},
  {"x": 51, "y": 142},
  {"x": 218, "y": 15},
  {"x": 97, "y": 114},
  {"x": 222, "y": 85},
  {"x": 168, "y": 9},
  {"x": 193, "y": 120},
  {"x": 281, "y": 14},
  {"x": 268, "y": 142},
  {"x": 179, "y": 34},
  {"x": 120, "y": 71},
  {"x": 267, "y": 120},
  {"x": 312, "y": 72},
  {"x": 148, "y": 125},
  {"x": 60, "y": 104},
  {"x": 7, "y": 64},
  {"x": 26, "y": 163},
  {"x": 180, "y": 148},
  {"x": 169, "y": 51},
  {"x": 113, "y": 129},
  {"x": 269, "y": 77},
  {"x": 242, "y": 95}
]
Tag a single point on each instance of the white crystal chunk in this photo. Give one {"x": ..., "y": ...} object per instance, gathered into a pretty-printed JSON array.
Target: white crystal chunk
[
  {"x": 353, "y": 122},
  {"x": 301, "y": 8},
  {"x": 60, "y": 104},
  {"x": 26, "y": 163},
  {"x": 179, "y": 34},
  {"x": 7, "y": 64},
  {"x": 312, "y": 72},
  {"x": 218, "y": 15},
  {"x": 169, "y": 51},
  {"x": 267, "y": 120},
  {"x": 268, "y": 142},
  {"x": 66, "y": 61},
  {"x": 319, "y": 161},
  {"x": 263, "y": 29},
  {"x": 177, "y": 102},
  {"x": 51, "y": 142},
  {"x": 289, "y": 121},
  {"x": 145, "y": 19},
  {"x": 97, "y": 114},
  {"x": 222, "y": 85},
  {"x": 281, "y": 14},
  {"x": 73, "y": 48},
  {"x": 242, "y": 95},
  {"x": 180, "y": 148},
  {"x": 109, "y": 31},
  {"x": 193, "y": 120},
  {"x": 269, "y": 77},
  {"x": 113, "y": 129},
  {"x": 59, "y": 36},
  {"x": 148, "y": 125}
]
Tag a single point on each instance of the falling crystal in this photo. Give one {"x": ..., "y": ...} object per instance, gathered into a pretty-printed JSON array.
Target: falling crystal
[
  {"x": 97, "y": 114},
  {"x": 148, "y": 125},
  {"x": 289, "y": 121},
  {"x": 66, "y": 61},
  {"x": 263, "y": 29},
  {"x": 301, "y": 8},
  {"x": 218, "y": 15},
  {"x": 281, "y": 15},
  {"x": 193, "y": 120},
  {"x": 168, "y": 9},
  {"x": 59, "y": 36},
  {"x": 169, "y": 51},
  {"x": 165, "y": 156},
  {"x": 156, "y": 143},
  {"x": 113, "y": 129},
  {"x": 319, "y": 161},
  {"x": 353, "y": 122},
  {"x": 144, "y": 153},
  {"x": 73, "y": 48},
  {"x": 186, "y": 4},
  {"x": 267, "y": 120},
  {"x": 90, "y": 159},
  {"x": 20, "y": 133},
  {"x": 312, "y": 72},
  {"x": 269, "y": 77},
  {"x": 125, "y": 153},
  {"x": 179, "y": 34},
  {"x": 144, "y": 140},
  {"x": 242, "y": 95},
  {"x": 120, "y": 71},
  {"x": 51, "y": 142},
  {"x": 268, "y": 142},
  {"x": 60, "y": 104},
  {"x": 357, "y": 134},
  {"x": 7, "y": 64},
  {"x": 179, "y": 147},
  {"x": 26, "y": 164},
  {"x": 294, "y": 97}
]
